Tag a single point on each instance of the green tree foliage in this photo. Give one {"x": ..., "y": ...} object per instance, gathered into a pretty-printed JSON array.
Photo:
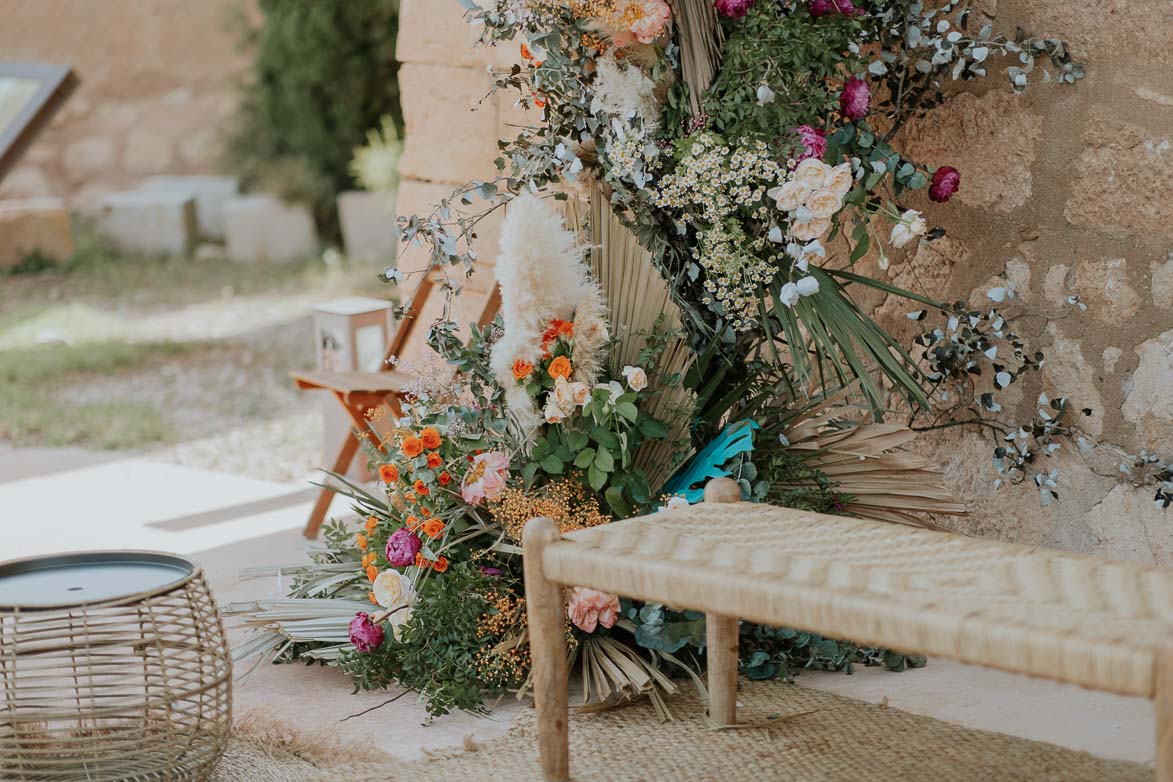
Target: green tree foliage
[{"x": 323, "y": 74}]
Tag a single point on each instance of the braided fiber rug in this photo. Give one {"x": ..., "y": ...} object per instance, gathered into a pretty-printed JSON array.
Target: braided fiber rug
[{"x": 793, "y": 733}]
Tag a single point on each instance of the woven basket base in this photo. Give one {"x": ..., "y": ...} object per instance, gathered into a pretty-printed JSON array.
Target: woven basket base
[{"x": 793, "y": 733}]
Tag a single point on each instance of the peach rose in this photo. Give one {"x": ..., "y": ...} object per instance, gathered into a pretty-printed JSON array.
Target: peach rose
[
  {"x": 790, "y": 195},
  {"x": 823, "y": 204},
  {"x": 812, "y": 172},
  {"x": 839, "y": 179},
  {"x": 590, "y": 608},
  {"x": 804, "y": 232}
]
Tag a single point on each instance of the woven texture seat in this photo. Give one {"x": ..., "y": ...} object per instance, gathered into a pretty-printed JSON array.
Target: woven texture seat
[{"x": 1028, "y": 610}]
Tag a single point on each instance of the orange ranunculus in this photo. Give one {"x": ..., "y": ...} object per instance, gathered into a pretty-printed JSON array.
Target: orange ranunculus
[
  {"x": 411, "y": 446},
  {"x": 425, "y": 512},
  {"x": 419, "y": 488},
  {"x": 371, "y": 597},
  {"x": 434, "y": 460},
  {"x": 560, "y": 367},
  {"x": 372, "y": 522},
  {"x": 419, "y": 560},
  {"x": 433, "y": 528},
  {"x": 409, "y": 497},
  {"x": 522, "y": 369},
  {"x": 430, "y": 438},
  {"x": 389, "y": 473},
  {"x": 412, "y": 522},
  {"x": 445, "y": 478},
  {"x": 440, "y": 565},
  {"x": 360, "y": 540},
  {"x": 372, "y": 573}
]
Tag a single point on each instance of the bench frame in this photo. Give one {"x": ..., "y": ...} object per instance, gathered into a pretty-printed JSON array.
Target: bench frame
[{"x": 546, "y": 607}]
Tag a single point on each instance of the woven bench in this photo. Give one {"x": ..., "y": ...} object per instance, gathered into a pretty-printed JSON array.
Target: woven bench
[{"x": 1103, "y": 625}]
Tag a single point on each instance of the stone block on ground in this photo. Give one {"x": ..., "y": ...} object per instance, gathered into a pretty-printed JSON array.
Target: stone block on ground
[
  {"x": 368, "y": 225},
  {"x": 34, "y": 225},
  {"x": 145, "y": 221},
  {"x": 210, "y": 192},
  {"x": 261, "y": 228}
]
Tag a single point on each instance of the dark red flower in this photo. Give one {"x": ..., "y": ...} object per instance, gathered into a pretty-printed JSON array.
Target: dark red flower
[
  {"x": 814, "y": 142},
  {"x": 733, "y": 9},
  {"x": 853, "y": 101},
  {"x": 946, "y": 182},
  {"x": 365, "y": 634}
]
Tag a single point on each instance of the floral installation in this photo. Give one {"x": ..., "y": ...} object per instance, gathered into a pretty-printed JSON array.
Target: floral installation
[{"x": 744, "y": 155}]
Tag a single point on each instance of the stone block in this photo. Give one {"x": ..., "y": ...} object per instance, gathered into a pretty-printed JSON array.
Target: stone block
[
  {"x": 436, "y": 32},
  {"x": 368, "y": 225},
  {"x": 152, "y": 222},
  {"x": 210, "y": 193},
  {"x": 35, "y": 224},
  {"x": 260, "y": 228},
  {"x": 89, "y": 156},
  {"x": 451, "y": 135},
  {"x": 1149, "y": 404},
  {"x": 147, "y": 151}
]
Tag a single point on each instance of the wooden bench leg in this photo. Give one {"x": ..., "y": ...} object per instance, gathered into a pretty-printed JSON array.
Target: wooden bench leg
[
  {"x": 547, "y": 642},
  {"x": 1164, "y": 713},
  {"x": 721, "y": 653},
  {"x": 341, "y": 465}
]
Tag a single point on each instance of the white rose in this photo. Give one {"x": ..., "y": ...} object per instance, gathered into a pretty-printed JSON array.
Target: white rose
[
  {"x": 393, "y": 589},
  {"x": 553, "y": 414},
  {"x": 789, "y": 196},
  {"x": 789, "y": 294},
  {"x": 812, "y": 229},
  {"x": 637, "y": 379},
  {"x": 840, "y": 180},
  {"x": 581, "y": 393},
  {"x": 807, "y": 286},
  {"x": 823, "y": 203},
  {"x": 563, "y": 395},
  {"x": 910, "y": 226},
  {"x": 676, "y": 503},
  {"x": 812, "y": 172}
]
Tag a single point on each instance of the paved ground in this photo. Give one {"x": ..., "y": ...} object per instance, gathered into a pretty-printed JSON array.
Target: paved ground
[{"x": 67, "y": 500}]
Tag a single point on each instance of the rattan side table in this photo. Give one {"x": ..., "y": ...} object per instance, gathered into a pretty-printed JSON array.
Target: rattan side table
[{"x": 113, "y": 666}]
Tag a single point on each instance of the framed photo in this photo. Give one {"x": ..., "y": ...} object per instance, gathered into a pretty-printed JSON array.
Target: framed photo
[{"x": 30, "y": 93}]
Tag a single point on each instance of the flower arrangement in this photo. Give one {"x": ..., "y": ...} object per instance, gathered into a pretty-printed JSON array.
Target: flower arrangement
[{"x": 734, "y": 163}]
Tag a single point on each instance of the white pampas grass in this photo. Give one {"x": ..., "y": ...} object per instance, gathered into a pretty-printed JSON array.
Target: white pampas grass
[{"x": 542, "y": 276}]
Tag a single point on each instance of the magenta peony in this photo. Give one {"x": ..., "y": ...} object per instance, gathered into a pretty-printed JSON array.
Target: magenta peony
[
  {"x": 590, "y": 608},
  {"x": 814, "y": 142},
  {"x": 402, "y": 547},
  {"x": 823, "y": 7},
  {"x": 733, "y": 9},
  {"x": 365, "y": 634},
  {"x": 853, "y": 101},
  {"x": 946, "y": 182}
]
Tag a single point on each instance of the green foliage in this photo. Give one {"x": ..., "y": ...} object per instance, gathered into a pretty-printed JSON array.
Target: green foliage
[
  {"x": 323, "y": 74},
  {"x": 436, "y": 653},
  {"x": 767, "y": 652},
  {"x": 29, "y": 264}
]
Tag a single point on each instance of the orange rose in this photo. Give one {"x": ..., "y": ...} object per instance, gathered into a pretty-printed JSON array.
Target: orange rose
[
  {"x": 434, "y": 460},
  {"x": 372, "y": 522},
  {"x": 440, "y": 565},
  {"x": 433, "y": 528},
  {"x": 425, "y": 512},
  {"x": 389, "y": 473},
  {"x": 560, "y": 367},
  {"x": 372, "y": 573},
  {"x": 445, "y": 478},
  {"x": 411, "y": 446},
  {"x": 419, "y": 488},
  {"x": 361, "y": 541},
  {"x": 522, "y": 369},
  {"x": 430, "y": 438},
  {"x": 419, "y": 559},
  {"x": 371, "y": 597},
  {"x": 412, "y": 522}
]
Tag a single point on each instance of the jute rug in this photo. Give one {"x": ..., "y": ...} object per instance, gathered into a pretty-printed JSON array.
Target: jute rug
[{"x": 791, "y": 733}]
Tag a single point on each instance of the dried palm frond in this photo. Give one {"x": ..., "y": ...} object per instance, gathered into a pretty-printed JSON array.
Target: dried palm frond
[
  {"x": 867, "y": 461},
  {"x": 640, "y": 302},
  {"x": 700, "y": 46}
]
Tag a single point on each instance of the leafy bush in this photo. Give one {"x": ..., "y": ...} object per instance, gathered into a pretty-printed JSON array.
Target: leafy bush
[{"x": 323, "y": 74}]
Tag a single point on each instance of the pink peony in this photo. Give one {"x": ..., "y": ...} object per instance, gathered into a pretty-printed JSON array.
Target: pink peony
[
  {"x": 402, "y": 547},
  {"x": 590, "y": 608},
  {"x": 365, "y": 634},
  {"x": 853, "y": 101},
  {"x": 823, "y": 7},
  {"x": 485, "y": 479},
  {"x": 946, "y": 182},
  {"x": 733, "y": 9},
  {"x": 654, "y": 16},
  {"x": 814, "y": 142}
]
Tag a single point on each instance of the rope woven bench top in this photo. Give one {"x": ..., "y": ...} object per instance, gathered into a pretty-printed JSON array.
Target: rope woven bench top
[{"x": 1045, "y": 613}]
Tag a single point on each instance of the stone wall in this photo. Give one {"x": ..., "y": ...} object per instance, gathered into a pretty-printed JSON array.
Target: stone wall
[
  {"x": 157, "y": 88},
  {"x": 1065, "y": 191}
]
